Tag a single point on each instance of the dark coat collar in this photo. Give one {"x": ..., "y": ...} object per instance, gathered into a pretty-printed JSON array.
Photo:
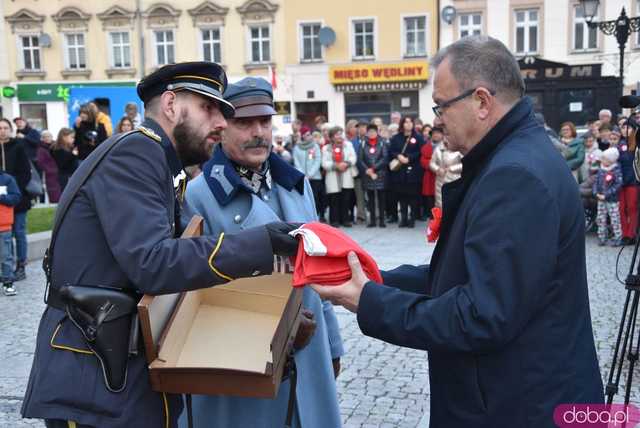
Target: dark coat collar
[
  {"x": 225, "y": 182},
  {"x": 175, "y": 165},
  {"x": 505, "y": 126}
]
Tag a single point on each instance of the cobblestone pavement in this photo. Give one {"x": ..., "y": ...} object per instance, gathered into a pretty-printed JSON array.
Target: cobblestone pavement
[{"x": 381, "y": 385}]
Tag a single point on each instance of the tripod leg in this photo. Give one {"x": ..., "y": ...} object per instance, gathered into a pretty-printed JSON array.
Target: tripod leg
[
  {"x": 633, "y": 355},
  {"x": 612, "y": 388}
]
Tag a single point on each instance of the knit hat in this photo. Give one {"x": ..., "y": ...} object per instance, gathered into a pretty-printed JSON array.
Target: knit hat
[
  {"x": 610, "y": 155},
  {"x": 304, "y": 129}
]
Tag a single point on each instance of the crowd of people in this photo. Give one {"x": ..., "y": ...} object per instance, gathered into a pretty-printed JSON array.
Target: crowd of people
[
  {"x": 34, "y": 163},
  {"x": 371, "y": 171},
  {"x": 601, "y": 161}
]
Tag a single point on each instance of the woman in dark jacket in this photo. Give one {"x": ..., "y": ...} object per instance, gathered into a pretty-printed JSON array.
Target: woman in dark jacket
[
  {"x": 89, "y": 133},
  {"x": 404, "y": 183},
  {"x": 48, "y": 166},
  {"x": 373, "y": 160},
  {"x": 65, "y": 155}
]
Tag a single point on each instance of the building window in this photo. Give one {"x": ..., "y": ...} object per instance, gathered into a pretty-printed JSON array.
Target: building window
[
  {"x": 527, "y": 31},
  {"x": 311, "y": 49},
  {"x": 75, "y": 51},
  {"x": 260, "y": 44},
  {"x": 470, "y": 24},
  {"x": 120, "y": 49},
  {"x": 415, "y": 30},
  {"x": 165, "y": 47},
  {"x": 584, "y": 38},
  {"x": 30, "y": 53},
  {"x": 211, "y": 46},
  {"x": 363, "y": 37}
]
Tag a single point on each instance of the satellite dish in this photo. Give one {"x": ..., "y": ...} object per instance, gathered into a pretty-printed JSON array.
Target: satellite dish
[
  {"x": 44, "y": 40},
  {"x": 327, "y": 36},
  {"x": 448, "y": 14}
]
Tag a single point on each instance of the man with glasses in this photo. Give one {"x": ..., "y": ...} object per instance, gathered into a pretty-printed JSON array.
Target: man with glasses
[{"x": 503, "y": 307}]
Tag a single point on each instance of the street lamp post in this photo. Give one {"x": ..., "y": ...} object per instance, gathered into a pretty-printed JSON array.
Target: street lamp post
[{"x": 621, "y": 27}]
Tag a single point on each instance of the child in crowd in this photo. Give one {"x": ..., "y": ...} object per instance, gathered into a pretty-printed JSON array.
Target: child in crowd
[
  {"x": 606, "y": 189},
  {"x": 9, "y": 197}
]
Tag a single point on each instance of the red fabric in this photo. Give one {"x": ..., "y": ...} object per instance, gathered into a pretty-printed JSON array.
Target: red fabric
[
  {"x": 429, "y": 178},
  {"x": 373, "y": 141},
  {"x": 629, "y": 211},
  {"x": 6, "y": 218},
  {"x": 338, "y": 153},
  {"x": 433, "y": 227},
  {"x": 333, "y": 268}
]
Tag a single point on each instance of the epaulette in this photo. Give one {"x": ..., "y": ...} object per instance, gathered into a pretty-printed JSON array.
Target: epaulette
[{"x": 150, "y": 133}]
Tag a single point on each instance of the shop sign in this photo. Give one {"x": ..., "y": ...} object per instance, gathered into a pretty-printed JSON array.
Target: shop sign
[
  {"x": 8, "y": 92},
  {"x": 57, "y": 91},
  {"x": 379, "y": 73}
]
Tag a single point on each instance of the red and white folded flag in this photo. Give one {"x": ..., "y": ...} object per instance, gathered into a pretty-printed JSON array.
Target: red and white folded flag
[{"x": 322, "y": 256}]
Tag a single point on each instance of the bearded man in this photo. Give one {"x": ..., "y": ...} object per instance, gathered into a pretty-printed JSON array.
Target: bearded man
[
  {"x": 246, "y": 185},
  {"x": 118, "y": 237}
]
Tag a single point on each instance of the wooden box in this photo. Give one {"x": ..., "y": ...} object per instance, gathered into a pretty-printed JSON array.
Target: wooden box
[{"x": 230, "y": 339}]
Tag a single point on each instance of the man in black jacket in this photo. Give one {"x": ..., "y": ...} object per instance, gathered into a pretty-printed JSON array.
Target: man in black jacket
[
  {"x": 28, "y": 136},
  {"x": 15, "y": 162}
]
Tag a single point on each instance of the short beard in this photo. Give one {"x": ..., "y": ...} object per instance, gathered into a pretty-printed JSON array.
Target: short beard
[{"x": 191, "y": 147}]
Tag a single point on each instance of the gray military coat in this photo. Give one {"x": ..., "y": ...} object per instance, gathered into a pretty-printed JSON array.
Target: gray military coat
[{"x": 219, "y": 196}]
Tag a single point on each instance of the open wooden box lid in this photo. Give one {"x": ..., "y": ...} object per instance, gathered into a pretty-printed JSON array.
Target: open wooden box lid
[{"x": 230, "y": 339}]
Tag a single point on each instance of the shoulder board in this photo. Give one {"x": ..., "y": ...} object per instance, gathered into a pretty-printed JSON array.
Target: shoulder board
[{"x": 149, "y": 133}]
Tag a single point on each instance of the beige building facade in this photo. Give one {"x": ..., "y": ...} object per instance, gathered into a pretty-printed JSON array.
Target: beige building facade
[
  {"x": 359, "y": 59},
  {"x": 62, "y": 53},
  {"x": 339, "y": 59}
]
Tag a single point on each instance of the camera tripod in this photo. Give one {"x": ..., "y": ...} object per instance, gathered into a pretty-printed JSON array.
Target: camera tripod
[{"x": 626, "y": 334}]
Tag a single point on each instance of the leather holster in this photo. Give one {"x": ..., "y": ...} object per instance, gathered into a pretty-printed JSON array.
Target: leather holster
[{"x": 108, "y": 321}]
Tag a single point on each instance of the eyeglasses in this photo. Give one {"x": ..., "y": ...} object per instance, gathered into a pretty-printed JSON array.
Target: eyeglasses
[{"x": 437, "y": 109}]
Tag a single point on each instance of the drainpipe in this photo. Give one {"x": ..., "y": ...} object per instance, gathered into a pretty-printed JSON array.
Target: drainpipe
[
  {"x": 437, "y": 25},
  {"x": 141, "y": 35}
]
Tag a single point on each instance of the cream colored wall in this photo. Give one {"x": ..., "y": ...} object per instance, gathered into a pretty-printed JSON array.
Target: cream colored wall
[
  {"x": 336, "y": 14},
  {"x": 234, "y": 45}
]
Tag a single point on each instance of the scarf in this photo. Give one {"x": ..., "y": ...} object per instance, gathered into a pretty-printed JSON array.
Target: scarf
[{"x": 338, "y": 152}]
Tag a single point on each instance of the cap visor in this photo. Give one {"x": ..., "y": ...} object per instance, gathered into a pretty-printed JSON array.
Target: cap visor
[
  {"x": 255, "y": 111},
  {"x": 228, "y": 110}
]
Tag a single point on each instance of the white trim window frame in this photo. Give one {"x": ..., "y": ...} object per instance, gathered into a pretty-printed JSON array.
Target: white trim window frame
[
  {"x": 75, "y": 51},
  {"x": 119, "y": 49},
  {"x": 164, "y": 47},
  {"x": 527, "y": 31},
  {"x": 469, "y": 24},
  {"x": 585, "y": 38},
  {"x": 30, "y": 57},
  {"x": 210, "y": 41},
  {"x": 364, "y": 43},
  {"x": 259, "y": 38},
  {"x": 311, "y": 40},
  {"x": 417, "y": 47}
]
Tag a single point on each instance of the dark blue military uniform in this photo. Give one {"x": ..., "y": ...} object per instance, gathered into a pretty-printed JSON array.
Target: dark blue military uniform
[{"x": 119, "y": 232}]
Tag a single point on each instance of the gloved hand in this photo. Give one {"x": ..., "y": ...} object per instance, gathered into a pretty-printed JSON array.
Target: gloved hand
[
  {"x": 282, "y": 243},
  {"x": 306, "y": 330}
]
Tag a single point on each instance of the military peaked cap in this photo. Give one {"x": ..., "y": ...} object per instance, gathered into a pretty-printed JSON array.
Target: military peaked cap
[
  {"x": 251, "y": 97},
  {"x": 201, "y": 77}
]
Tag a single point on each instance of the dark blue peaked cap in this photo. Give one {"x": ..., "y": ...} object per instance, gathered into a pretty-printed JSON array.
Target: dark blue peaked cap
[{"x": 201, "y": 77}]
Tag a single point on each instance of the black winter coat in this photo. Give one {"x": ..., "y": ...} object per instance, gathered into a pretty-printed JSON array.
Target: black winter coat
[
  {"x": 14, "y": 161},
  {"x": 409, "y": 177}
]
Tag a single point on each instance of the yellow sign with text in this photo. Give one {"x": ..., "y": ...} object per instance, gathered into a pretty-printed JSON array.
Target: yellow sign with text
[{"x": 379, "y": 73}]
